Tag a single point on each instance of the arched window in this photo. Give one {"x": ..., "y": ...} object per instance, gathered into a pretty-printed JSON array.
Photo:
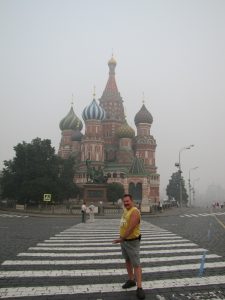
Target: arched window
[
  {"x": 139, "y": 192},
  {"x": 136, "y": 191},
  {"x": 132, "y": 189}
]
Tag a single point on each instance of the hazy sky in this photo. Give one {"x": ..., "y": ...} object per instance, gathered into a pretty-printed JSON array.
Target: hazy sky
[{"x": 172, "y": 50}]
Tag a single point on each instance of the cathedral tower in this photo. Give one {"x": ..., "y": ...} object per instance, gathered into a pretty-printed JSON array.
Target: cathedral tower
[
  {"x": 145, "y": 142},
  {"x": 92, "y": 142},
  {"x": 125, "y": 152},
  {"x": 112, "y": 103},
  {"x": 71, "y": 127}
]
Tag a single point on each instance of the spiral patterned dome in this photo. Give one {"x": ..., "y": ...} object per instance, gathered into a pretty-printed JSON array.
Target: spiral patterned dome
[
  {"x": 77, "y": 135},
  {"x": 143, "y": 116},
  {"x": 125, "y": 131},
  {"x": 70, "y": 121},
  {"x": 93, "y": 112}
]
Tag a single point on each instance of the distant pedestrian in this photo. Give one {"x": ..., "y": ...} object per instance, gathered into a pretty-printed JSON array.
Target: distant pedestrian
[
  {"x": 92, "y": 212},
  {"x": 83, "y": 212},
  {"x": 160, "y": 206},
  {"x": 130, "y": 237}
]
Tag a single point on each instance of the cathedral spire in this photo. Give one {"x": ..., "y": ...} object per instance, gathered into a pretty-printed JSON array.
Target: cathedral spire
[
  {"x": 111, "y": 86},
  {"x": 94, "y": 92},
  {"x": 112, "y": 65},
  {"x": 143, "y": 98},
  {"x": 111, "y": 100},
  {"x": 72, "y": 101}
]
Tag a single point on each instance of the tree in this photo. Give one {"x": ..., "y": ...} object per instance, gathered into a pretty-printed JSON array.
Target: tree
[
  {"x": 115, "y": 191},
  {"x": 36, "y": 170},
  {"x": 68, "y": 189},
  {"x": 173, "y": 188}
]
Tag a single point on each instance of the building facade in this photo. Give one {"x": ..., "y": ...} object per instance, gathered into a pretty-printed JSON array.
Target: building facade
[{"x": 111, "y": 146}]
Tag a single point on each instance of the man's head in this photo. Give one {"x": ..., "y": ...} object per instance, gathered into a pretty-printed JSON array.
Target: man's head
[{"x": 128, "y": 201}]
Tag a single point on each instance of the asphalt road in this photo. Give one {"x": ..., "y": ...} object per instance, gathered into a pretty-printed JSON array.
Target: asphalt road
[
  {"x": 207, "y": 228},
  {"x": 20, "y": 231},
  {"x": 60, "y": 258}
]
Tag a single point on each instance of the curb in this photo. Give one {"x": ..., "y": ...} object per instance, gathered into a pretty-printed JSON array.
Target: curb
[{"x": 64, "y": 215}]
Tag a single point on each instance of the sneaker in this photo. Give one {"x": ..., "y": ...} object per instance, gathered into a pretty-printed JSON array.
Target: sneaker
[
  {"x": 140, "y": 293},
  {"x": 130, "y": 283}
]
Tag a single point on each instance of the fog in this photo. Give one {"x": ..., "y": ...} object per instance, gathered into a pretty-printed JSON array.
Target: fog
[{"x": 173, "y": 51}]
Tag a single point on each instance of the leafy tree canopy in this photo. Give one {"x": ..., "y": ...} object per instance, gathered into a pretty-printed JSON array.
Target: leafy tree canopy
[
  {"x": 67, "y": 169},
  {"x": 36, "y": 170},
  {"x": 173, "y": 188}
]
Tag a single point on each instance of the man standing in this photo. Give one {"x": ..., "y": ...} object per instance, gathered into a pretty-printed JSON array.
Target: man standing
[
  {"x": 129, "y": 240},
  {"x": 83, "y": 211}
]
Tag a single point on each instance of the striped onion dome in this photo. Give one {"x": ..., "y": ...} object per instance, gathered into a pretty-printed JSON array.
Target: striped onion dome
[
  {"x": 93, "y": 112},
  {"x": 143, "y": 116},
  {"x": 70, "y": 121},
  {"x": 125, "y": 131}
]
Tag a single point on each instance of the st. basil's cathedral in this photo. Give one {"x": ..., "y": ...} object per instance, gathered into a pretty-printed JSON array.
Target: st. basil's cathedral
[{"x": 111, "y": 145}]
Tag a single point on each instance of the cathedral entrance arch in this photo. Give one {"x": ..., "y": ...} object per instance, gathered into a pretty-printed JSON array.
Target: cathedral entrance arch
[{"x": 136, "y": 191}]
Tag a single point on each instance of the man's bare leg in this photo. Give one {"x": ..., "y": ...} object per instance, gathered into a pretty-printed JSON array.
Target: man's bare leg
[
  {"x": 130, "y": 270},
  {"x": 138, "y": 276}
]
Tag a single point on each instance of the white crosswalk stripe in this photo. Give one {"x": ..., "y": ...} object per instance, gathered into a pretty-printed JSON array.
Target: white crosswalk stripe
[
  {"x": 104, "y": 272},
  {"x": 202, "y": 215},
  {"x": 13, "y": 216},
  {"x": 86, "y": 251}
]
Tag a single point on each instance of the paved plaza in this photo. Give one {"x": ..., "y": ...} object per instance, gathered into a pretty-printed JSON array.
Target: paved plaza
[{"x": 80, "y": 262}]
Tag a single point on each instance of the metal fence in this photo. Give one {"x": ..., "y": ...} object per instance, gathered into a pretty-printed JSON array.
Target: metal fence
[
  {"x": 59, "y": 209},
  {"x": 69, "y": 208}
]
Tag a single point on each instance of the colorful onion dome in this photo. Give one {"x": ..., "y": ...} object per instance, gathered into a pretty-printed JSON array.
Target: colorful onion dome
[
  {"x": 143, "y": 116},
  {"x": 125, "y": 131},
  {"x": 93, "y": 112},
  {"x": 70, "y": 121},
  {"x": 77, "y": 135}
]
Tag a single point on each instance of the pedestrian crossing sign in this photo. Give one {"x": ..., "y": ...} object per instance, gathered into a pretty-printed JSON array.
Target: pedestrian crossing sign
[{"x": 47, "y": 197}]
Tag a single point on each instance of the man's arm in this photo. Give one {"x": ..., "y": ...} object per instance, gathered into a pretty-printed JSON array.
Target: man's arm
[{"x": 134, "y": 221}]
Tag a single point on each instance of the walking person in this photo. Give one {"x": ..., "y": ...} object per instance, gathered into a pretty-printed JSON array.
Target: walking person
[
  {"x": 130, "y": 237},
  {"x": 83, "y": 212}
]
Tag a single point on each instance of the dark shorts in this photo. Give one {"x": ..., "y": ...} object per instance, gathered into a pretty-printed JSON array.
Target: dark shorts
[{"x": 131, "y": 252}]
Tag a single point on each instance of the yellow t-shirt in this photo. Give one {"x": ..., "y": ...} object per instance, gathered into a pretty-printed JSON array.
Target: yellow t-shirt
[{"x": 124, "y": 224}]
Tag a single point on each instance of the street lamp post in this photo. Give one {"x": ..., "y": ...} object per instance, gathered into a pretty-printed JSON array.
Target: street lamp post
[
  {"x": 180, "y": 171},
  {"x": 189, "y": 183}
]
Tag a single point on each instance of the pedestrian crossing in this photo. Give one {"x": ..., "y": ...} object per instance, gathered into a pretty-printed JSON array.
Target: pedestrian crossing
[
  {"x": 82, "y": 260},
  {"x": 202, "y": 215},
  {"x": 13, "y": 216}
]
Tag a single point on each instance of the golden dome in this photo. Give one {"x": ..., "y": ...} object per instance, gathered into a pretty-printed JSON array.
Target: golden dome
[{"x": 112, "y": 61}]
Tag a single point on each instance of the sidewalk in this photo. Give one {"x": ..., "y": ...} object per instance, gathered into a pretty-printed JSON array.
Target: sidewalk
[{"x": 173, "y": 211}]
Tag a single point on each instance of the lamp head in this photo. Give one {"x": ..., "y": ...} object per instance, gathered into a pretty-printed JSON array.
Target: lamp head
[{"x": 189, "y": 147}]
